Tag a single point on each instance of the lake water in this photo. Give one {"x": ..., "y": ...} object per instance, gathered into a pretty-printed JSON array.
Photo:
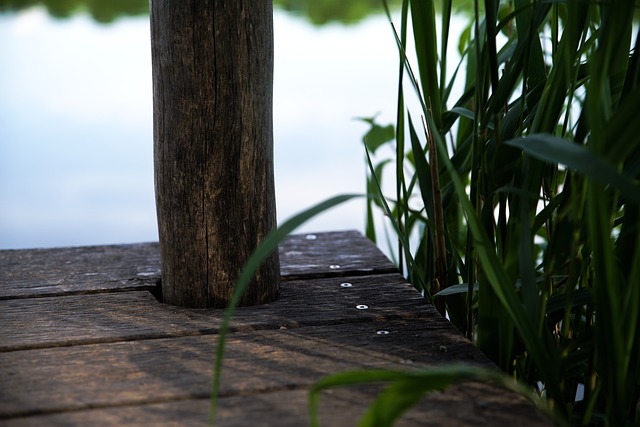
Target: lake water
[{"x": 76, "y": 124}]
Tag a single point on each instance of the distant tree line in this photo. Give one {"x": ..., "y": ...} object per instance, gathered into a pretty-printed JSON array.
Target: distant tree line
[
  {"x": 103, "y": 11},
  {"x": 317, "y": 12}
]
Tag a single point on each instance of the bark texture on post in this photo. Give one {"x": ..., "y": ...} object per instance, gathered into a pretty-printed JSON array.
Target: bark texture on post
[{"x": 213, "y": 147}]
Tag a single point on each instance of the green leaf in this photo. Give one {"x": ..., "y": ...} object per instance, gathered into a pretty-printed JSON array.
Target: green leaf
[
  {"x": 266, "y": 247},
  {"x": 423, "y": 171},
  {"x": 370, "y": 229},
  {"x": 461, "y": 288},
  {"x": 554, "y": 150},
  {"x": 419, "y": 282},
  {"x": 378, "y": 135},
  {"x": 623, "y": 130},
  {"x": 540, "y": 348},
  {"x": 424, "y": 29},
  {"x": 406, "y": 389},
  {"x": 465, "y": 38}
]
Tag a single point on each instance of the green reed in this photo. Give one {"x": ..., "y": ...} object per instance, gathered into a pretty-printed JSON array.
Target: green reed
[
  {"x": 517, "y": 205},
  {"x": 528, "y": 192}
]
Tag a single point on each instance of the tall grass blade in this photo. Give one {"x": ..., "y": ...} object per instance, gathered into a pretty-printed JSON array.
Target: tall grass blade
[
  {"x": 540, "y": 193},
  {"x": 407, "y": 388},
  {"x": 426, "y": 42},
  {"x": 266, "y": 247},
  {"x": 557, "y": 150},
  {"x": 540, "y": 348},
  {"x": 417, "y": 275}
]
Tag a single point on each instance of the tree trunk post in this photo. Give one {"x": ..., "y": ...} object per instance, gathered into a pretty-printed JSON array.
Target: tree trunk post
[{"x": 213, "y": 147}]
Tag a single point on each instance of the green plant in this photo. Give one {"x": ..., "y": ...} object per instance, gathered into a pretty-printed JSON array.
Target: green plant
[
  {"x": 523, "y": 196},
  {"x": 405, "y": 389},
  {"x": 266, "y": 247},
  {"x": 527, "y": 225}
]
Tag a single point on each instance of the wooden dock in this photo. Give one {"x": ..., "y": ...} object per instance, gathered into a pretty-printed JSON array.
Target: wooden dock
[{"x": 84, "y": 341}]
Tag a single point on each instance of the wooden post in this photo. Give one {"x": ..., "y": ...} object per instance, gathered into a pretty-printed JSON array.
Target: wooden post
[{"x": 213, "y": 146}]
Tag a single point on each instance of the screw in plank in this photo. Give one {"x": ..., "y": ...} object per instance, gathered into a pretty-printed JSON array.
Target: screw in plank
[
  {"x": 362, "y": 307},
  {"x": 346, "y": 285},
  {"x": 334, "y": 266},
  {"x": 311, "y": 237},
  {"x": 382, "y": 332}
]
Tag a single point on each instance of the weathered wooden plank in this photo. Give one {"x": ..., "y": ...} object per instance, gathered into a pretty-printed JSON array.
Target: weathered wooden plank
[
  {"x": 107, "y": 317},
  {"x": 339, "y": 253},
  {"x": 167, "y": 369},
  {"x": 289, "y": 408},
  {"x": 80, "y": 270},
  {"x": 473, "y": 404},
  {"x": 36, "y": 272},
  {"x": 178, "y": 369},
  {"x": 75, "y": 348}
]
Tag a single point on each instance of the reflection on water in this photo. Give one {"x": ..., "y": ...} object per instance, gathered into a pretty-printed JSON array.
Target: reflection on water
[
  {"x": 101, "y": 11},
  {"x": 317, "y": 12},
  {"x": 76, "y": 122}
]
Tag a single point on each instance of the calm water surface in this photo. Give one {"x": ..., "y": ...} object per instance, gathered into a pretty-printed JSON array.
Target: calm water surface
[{"x": 76, "y": 124}]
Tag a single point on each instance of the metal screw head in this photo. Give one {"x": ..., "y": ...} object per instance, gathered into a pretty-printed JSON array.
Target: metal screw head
[
  {"x": 382, "y": 332},
  {"x": 334, "y": 266},
  {"x": 311, "y": 237},
  {"x": 346, "y": 285},
  {"x": 362, "y": 307}
]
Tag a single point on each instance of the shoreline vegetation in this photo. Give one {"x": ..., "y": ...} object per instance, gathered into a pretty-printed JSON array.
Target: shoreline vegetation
[
  {"x": 523, "y": 194},
  {"x": 316, "y": 12}
]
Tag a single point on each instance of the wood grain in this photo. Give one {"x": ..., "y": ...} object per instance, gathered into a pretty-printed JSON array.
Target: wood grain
[
  {"x": 212, "y": 64},
  {"x": 34, "y": 273},
  {"x": 289, "y": 408},
  {"x": 98, "y": 347},
  {"x": 63, "y": 271},
  {"x": 166, "y": 370},
  {"x": 124, "y": 316},
  {"x": 331, "y": 254}
]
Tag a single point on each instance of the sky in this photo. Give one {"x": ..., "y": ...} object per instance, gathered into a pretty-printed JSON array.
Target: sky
[
  {"x": 76, "y": 160},
  {"x": 76, "y": 143}
]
